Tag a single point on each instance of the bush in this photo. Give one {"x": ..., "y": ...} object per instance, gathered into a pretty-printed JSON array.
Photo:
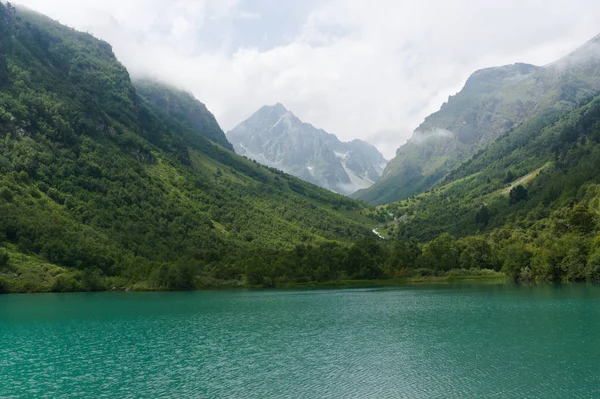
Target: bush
[
  {"x": 573, "y": 266},
  {"x": 515, "y": 257},
  {"x": 458, "y": 272},
  {"x": 55, "y": 195},
  {"x": 518, "y": 194},
  {"x": 582, "y": 220},
  {"x": 180, "y": 277},
  {"x": 423, "y": 272},
  {"x": 65, "y": 283},
  {"x": 4, "y": 259},
  {"x": 6, "y": 194},
  {"x": 592, "y": 270},
  {"x": 91, "y": 280},
  {"x": 526, "y": 275},
  {"x": 174, "y": 276}
]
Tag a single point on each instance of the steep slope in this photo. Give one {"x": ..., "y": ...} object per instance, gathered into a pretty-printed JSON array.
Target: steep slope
[
  {"x": 529, "y": 202},
  {"x": 493, "y": 101},
  {"x": 275, "y": 137},
  {"x": 101, "y": 187},
  {"x": 182, "y": 107}
]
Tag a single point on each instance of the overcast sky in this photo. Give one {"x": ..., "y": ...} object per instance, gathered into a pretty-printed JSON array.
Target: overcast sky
[{"x": 370, "y": 69}]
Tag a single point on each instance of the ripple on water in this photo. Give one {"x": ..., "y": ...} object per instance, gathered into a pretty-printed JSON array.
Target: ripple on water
[{"x": 418, "y": 342}]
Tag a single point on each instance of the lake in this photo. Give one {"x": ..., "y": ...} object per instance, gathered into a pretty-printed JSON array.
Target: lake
[{"x": 420, "y": 341}]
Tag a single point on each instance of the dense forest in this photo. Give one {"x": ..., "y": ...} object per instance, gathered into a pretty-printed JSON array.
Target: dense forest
[
  {"x": 528, "y": 203},
  {"x": 101, "y": 188},
  {"x": 108, "y": 184}
]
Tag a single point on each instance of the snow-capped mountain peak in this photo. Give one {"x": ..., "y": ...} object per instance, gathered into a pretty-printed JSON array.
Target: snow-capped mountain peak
[{"x": 275, "y": 137}]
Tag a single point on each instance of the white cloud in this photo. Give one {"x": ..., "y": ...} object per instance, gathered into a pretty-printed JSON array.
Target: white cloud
[
  {"x": 353, "y": 67},
  {"x": 248, "y": 15}
]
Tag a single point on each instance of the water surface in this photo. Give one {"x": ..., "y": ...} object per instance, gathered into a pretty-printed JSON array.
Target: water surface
[{"x": 442, "y": 341}]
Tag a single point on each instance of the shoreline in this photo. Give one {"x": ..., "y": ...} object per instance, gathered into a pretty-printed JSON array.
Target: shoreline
[
  {"x": 498, "y": 278},
  {"x": 397, "y": 282}
]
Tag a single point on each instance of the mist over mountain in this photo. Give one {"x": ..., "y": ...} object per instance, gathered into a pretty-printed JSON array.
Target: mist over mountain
[
  {"x": 493, "y": 102},
  {"x": 275, "y": 137},
  {"x": 183, "y": 107}
]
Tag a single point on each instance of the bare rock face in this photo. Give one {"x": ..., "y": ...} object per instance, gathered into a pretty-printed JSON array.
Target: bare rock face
[{"x": 275, "y": 137}]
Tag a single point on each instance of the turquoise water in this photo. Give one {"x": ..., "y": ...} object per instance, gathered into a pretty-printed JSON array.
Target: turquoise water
[{"x": 443, "y": 341}]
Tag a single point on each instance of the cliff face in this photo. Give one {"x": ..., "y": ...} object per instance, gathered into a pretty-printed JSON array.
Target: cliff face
[{"x": 275, "y": 137}]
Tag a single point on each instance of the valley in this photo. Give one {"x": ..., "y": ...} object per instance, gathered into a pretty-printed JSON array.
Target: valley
[{"x": 109, "y": 182}]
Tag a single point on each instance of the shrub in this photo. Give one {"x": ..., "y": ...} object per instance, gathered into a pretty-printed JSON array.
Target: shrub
[
  {"x": 518, "y": 194},
  {"x": 6, "y": 194},
  {"x": 423, "y": 272},
  {"x": 65, "y": 283},
  {"x": 592, "y": 270},
  {"x": 4, "y": 258},
  {"x": 92, "y": 281}
]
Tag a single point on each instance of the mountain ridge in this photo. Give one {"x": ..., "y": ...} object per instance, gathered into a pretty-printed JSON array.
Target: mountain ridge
[
  {"x": 492, "y": 102},
  {"x": 274, "y": 136},
  {"x": 101, "y": 187},
  {"x": 183, "y": 106}
]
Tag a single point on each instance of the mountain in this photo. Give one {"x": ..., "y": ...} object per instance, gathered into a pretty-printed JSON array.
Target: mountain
[
  {"x": 494, "y": 101},
  {"x": 181, "y": 106},
  {"x": 105, "y": 183},
  {"x": 275, "y": 137},
  {"x": 528, "y": 203},
  {"x": 104, "y": 187}
]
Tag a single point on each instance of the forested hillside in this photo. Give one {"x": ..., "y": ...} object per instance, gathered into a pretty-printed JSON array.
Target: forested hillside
[
  {"x": 179, "y": 106},
  {"x": 493, "y": 102},
  {"x": 527, "y": 204},
  {"x": 104, "y": 185}
]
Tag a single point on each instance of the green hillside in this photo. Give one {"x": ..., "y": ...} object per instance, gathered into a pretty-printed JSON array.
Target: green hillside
[
  {"x": 527, "y": 204},
  {"x": 493, "y": 102},
  {"x": 103, "y": 184},
  {"x": 179, "y": 106}
]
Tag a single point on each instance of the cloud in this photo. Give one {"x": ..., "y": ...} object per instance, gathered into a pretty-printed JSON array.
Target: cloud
[
  {"x": 423, "y": 137},
  {"x": 370, "y": 69},
  {"x": 248, "y": 15}
]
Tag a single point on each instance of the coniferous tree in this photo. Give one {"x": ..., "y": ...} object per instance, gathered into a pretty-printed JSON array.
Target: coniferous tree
[{"x": 518, "y": 194}]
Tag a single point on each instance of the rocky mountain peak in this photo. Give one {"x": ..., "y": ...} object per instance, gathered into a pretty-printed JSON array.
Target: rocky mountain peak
[{"x": 274, "y": 136}]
